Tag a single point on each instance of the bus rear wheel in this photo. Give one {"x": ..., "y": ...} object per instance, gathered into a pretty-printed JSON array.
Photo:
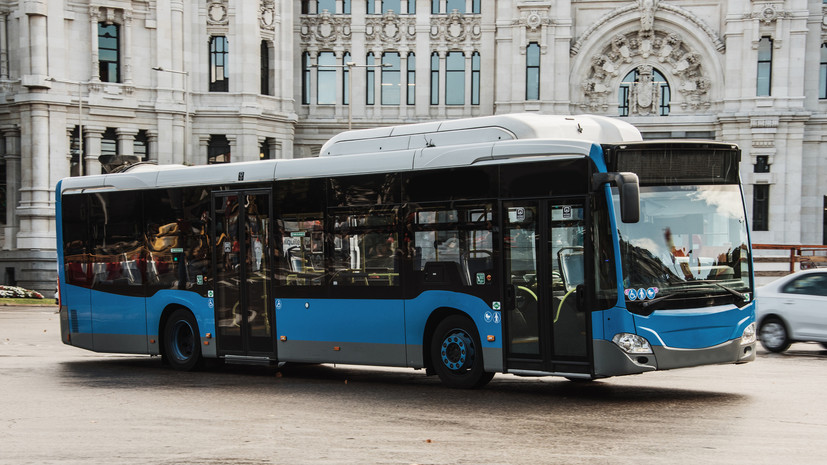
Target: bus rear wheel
[
  {"x": 456, "y": 354},
  {"x": 182, "y": 348}
]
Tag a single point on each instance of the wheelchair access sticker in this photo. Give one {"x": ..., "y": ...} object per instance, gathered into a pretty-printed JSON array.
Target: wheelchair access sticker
[
  {"x": 641, "y": 294},
  {"x": 494, "y": 317}
]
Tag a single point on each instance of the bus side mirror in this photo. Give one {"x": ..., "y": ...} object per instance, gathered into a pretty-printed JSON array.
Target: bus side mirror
[{"x": 629, "y": 187}]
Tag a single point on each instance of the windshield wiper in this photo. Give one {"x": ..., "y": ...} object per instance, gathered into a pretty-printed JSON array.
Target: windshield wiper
[
  {"x": 675, "y": 293},
  {"x": 692, "y": 290},
  {"x": 732, "y": 291}
]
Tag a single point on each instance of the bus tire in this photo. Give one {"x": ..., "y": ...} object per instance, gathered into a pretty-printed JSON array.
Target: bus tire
[
  {"x": 182, "y": 345},
  {"x": 456, "y": 354}
]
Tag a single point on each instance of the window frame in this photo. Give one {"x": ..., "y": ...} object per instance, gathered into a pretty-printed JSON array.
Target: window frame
[
  {"x": 218, "y": 63},
  {"x": 107, "y": 67},
  {"x": 763, "y": 77}
]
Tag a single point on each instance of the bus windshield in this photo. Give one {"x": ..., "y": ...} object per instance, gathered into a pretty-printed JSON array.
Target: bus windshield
[{"x": 690, "y": 248}]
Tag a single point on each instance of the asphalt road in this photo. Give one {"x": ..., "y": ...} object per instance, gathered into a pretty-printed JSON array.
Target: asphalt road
[{"x": 60, "y": 404}]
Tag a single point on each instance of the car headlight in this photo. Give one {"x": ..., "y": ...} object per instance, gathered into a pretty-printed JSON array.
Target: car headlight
[
  {"x": 632, "y": 343},
  {"x": 749, "y": 334}
]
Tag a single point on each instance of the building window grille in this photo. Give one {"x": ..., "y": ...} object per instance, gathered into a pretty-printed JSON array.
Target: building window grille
[
  {"x": 643, "y": 91},
  {"x": 411, "y": 79},
  {"x": 760, "y": 207},
  {"x": 326, "y": 79},
  {"x": 764, "y": 80},
  {"x": 762, "y": 164},
  {"x": 532, "y": 72},
  {"x": 435, "y": 78},
  {"x": 265, "y": 68},
  {"x": 219, "y": 69},
  {"x": 370, "y": 80},
  {"x": 822, "y": 73},
  {"x": 218, "y": 150},
  {"x": 475, "y": 78},
  {"x": 455, "y": 78},
  {"x": 346, "y": 79},
  {"x": 109, "y": 53},
  {"x": 391, "y": 78},
  {"x": 305, "y": 78}
]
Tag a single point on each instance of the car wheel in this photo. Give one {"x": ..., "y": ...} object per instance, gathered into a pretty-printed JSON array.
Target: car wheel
[
  {"x": 773, "y": 335},
  {"x": 456, "y": 354}
]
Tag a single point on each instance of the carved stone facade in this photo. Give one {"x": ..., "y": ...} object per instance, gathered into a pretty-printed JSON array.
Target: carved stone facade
[{"x": 691, "y": 70}]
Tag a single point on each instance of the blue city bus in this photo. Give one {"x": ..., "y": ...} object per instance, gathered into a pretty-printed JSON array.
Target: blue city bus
[{"x": 529, "y": 244}]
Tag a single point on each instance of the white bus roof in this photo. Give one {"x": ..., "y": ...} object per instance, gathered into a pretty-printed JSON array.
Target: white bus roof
[
  {"x": 592, "y": 128},
  {"x": 455, "y": 143}
]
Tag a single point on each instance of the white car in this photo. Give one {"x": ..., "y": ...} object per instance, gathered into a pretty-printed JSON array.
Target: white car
[{"x": 793, "y": 309}]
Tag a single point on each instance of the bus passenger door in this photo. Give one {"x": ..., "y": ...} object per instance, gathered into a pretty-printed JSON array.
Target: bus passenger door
[
  {"x": 241, "y": 260},
  {"x": 543, "y": 257}
]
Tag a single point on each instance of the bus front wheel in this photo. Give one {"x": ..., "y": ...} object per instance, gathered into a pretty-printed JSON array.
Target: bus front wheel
[
  {"x": 182, "y": 348},
  {"x": 456, "y": 354}
]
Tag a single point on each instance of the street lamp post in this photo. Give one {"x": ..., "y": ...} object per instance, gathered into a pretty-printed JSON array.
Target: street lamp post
[
  {"x": 350, "y": 65},
  {"x": 186, "y": 75}
]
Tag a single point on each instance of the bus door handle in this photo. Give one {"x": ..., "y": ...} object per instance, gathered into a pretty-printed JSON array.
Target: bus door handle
[
  {"x": 510, "y": 297},
  {"x": 581, "y": 297}
]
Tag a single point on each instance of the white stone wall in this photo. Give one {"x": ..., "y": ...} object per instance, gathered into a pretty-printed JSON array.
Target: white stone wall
[{"x": 707, "y": 51}]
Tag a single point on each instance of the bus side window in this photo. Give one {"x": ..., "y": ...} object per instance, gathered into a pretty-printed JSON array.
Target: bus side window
[
  {"x": 453, "y": 245},
  {"x": 77, "y": 269},
  {"x": 119, "y": 254},
  {"x": 365, "y": 247}
]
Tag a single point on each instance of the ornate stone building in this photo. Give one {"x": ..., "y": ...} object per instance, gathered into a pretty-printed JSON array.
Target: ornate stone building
[{"x": 87, "y": 85}]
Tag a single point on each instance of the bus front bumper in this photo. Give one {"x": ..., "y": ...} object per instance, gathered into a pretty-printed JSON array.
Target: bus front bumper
[{"x": 610, "y": 360}]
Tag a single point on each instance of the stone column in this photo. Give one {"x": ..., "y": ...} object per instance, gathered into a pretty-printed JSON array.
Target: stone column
[
  {"x": 152, "y": 145},
  {"x": 203, "y": 150},
  {"x": 12, "y": 157},
  {"x": 4, "y": 46},
  {"x": 36, "y": 11},
  {"x": 126, "y": 141},
  {"x": 35, "y": 210},
  {"x": 91, "y": 160},
  {"x": 94, "y": 18},
  {"x": 235, "y": 152},
  {"x": 127, "y": 47}
]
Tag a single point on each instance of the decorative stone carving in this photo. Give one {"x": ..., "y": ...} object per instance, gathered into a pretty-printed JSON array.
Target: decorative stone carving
[
  {"x": 647, "y": 13},
  {"x": 668, "y": 52},
  {"x": 455, "y": 28},
  {"x": 324, "y": 29},
  {"x": 390, "y": 28},
  {"x": 767, "y": 13},
  {"x": 653, "y": 7},
  {"x": 267, "y": 15},
  {"x": 217, "y": 13}
]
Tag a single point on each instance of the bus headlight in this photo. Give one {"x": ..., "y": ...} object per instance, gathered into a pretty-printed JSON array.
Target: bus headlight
[
  {"x": 749, "y": 335},
  {"x": 632, "y": 343}
]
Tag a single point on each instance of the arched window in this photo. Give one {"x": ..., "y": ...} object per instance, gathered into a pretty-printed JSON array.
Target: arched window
[
  {"x": 434, "y": 78},
  {"x": 532, "y": 71},
  {"x": 265, "y": 68},
  {"x": 306, "y": 78},
  {"x": 346, "y": 79},
  {"x": 455, "y": 78},
  {"x": 822, "y": 75},
  {"x": 644, "y": 91},
  {"x": 391, "y": 78},
  {"x": 326, "y": 78},
  {"x": 219, "y": 72},
  {"x": 370, "y": 80},
  {"x": 475, "y": 78},
  {"x": 411, "y": 79},
  {"x": 109, "y": 52}
]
